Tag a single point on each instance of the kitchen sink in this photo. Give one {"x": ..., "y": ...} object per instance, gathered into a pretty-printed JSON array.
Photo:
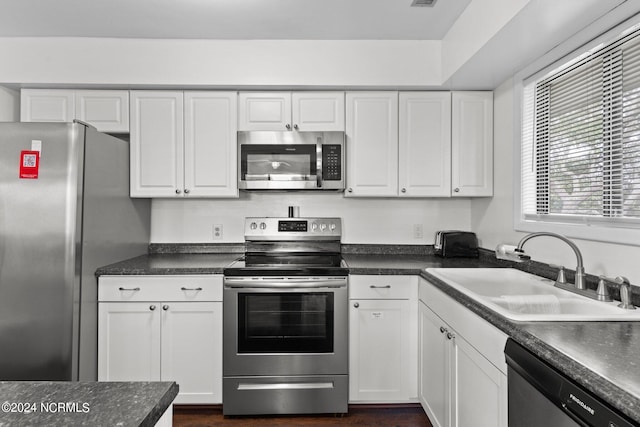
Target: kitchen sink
[{"x": 521, "y": 296}]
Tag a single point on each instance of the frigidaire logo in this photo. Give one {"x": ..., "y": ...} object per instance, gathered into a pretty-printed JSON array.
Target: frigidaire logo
[{"x": 582, "y": 404}]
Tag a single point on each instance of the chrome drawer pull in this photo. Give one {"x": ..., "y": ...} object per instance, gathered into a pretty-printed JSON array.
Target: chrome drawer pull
[
  {"x": 190, "y": 289},
  {"x": 380, "y": 287},
  {"x": 128, "y": 289}
]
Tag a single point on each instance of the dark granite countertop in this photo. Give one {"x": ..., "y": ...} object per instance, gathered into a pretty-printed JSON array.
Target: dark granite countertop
[
  {"x": 93, "y": 404},
  {"x": 600, "y": 356},
  {"x": 171, "y": 263}
]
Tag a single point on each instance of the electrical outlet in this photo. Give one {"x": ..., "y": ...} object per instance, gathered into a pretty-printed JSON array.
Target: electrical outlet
[
  {"x": 217, "y": 231},
  {"x": 417, "y": 231}
]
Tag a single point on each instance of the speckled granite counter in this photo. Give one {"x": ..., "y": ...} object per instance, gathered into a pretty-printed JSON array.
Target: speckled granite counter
[
  {"x": 84, "y": 403},
  {"x": 170, "y": 263},
  {"x": 601, "y": 356}
]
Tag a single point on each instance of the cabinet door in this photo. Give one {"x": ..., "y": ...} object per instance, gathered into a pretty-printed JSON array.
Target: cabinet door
[
  {"x": 480, "y": 389},
  {"x": 128, "y": 341},
  {"x": 157, "y": 140},
  {"x": 372, "y": 143},
  {"x": 264, "y": 111},
  {"x": 210, "y": 144},
  {"x": 425, "y": 144},
  {"x": 192, "y": 350},
  {"x": 472, "y": 144},
  {"x": 47, "y": 105},
  {"x": 107, "y": 110},
  {"x": 379, "y": 351},
  {"x": 318, "y": 111},
  {"x": 434, "y": 369}
]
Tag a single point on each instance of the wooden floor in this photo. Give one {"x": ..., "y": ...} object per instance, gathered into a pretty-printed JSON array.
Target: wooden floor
[{"x": 359, "y": 415}]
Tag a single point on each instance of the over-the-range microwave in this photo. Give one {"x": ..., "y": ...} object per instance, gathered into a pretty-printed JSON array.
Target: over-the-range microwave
[{"x": 289, "y": 160}]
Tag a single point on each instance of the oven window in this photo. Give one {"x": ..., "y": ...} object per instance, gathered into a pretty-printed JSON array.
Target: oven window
[{"x": 285, "y": 322}]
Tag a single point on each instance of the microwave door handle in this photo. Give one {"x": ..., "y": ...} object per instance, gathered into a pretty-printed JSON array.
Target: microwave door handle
[{"x": 319, "y": 162}]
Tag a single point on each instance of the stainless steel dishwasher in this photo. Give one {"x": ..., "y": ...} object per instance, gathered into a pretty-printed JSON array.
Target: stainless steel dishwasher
[{"x": 539, "y": 395}]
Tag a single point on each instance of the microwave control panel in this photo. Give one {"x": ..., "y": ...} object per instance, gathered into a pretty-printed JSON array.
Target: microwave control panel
[{"x": 331, "y": 162}]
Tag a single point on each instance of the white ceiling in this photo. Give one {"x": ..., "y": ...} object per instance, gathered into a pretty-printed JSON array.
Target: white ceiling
[{"x": 230, "y": 19}]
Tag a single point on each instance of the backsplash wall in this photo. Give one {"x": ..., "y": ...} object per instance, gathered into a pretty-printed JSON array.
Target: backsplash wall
[{"x": 365, "y": 220}]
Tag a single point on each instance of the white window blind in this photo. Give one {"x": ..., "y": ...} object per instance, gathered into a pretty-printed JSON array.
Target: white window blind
[{"x": 581, "y": 138}]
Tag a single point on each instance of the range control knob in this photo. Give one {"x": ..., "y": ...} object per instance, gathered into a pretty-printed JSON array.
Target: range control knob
[
  {"x": 253, "y": 226},
  {"x": 332, "y": 226},
  {"x": 323, "y": 226},
  {"x": 263, "y": 226},
  {"x": 314, "y": 226}
]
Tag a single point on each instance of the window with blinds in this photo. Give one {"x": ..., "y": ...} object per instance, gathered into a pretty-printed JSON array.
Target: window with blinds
[{"x": 581, "y": 138}]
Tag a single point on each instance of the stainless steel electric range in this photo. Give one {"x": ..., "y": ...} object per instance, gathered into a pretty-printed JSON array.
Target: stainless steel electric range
[{"x": 286, "y": 320}]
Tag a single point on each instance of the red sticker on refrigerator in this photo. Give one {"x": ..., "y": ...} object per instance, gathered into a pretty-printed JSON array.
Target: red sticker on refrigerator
[{"x": 29, "y": 164}]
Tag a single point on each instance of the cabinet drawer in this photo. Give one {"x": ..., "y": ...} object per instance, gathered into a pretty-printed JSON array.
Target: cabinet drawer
[
  {"x": 383, "y": 287},
  {"x": 160, "y": 288}
]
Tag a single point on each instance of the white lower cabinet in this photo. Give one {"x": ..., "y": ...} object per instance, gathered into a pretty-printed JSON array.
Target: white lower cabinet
[
  {"x": 383, "y": 339},
  {"x": 167, "y": 328},
  {"x": 462, "y": 369}
]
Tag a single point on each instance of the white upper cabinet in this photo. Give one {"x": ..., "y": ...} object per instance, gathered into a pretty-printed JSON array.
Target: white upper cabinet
[
  {"x": 282, "y": 111},
  {"x": 47, "y": 105},
  {"x": 157, "y": 141},
  {"x": 183, "y": 144},
  {"x": 372, "y": 143},
  {"x": 424, "y": 144},
  {"x": 210, "y": 151},
  {"x": 107, "y": 110},
  {"x": 318, "y": 111},
  {"x": 472, "y": 144}
]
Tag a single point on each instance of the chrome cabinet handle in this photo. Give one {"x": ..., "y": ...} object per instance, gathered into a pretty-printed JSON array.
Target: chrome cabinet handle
[
  {"x": 152, "y": 307},
  {"x": 456, "y": 190},
  {"x": 350, "y": 190},
  {"x": 178, "y": 191},
  {"x": 404, "y": 190},
  {"x": 450, "y": 336},
  {"x": 295, "y": 127},
  {"x": 190, "y": 289},
  {"x": 356, "y": 305},
  {"x": 288, "y": 126},
  {"x": 128, "y": 289},
  {"x": 186, "y": 191},
  {"x": 165, "y": 307},
  {"x": 380, "y": 287},
  {"x": 442, "y": 329}
]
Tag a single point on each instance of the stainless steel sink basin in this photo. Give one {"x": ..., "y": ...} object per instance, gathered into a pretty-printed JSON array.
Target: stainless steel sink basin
[{"x": 522, "y": 296}]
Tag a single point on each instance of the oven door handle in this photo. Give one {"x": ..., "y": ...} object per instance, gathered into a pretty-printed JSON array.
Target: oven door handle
[{"x": 285, "y": 284}]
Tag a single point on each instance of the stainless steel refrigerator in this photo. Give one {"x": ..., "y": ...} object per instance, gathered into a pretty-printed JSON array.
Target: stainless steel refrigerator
[{"x": 65, "y": 210}]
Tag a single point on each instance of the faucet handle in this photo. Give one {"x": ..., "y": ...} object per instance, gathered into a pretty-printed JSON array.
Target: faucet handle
[
  {"x": 602, "y": 293},
  {"x": 562, "y": 277}
]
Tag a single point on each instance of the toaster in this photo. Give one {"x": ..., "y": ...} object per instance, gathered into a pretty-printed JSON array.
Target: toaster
[{"x": 456, "y": 244}]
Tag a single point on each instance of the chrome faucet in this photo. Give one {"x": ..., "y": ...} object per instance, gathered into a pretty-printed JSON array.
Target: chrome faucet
[{"x": 579, "y": 281}]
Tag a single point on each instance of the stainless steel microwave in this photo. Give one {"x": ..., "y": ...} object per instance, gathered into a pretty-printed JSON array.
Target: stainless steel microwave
[{"x": 291, "y": 160}]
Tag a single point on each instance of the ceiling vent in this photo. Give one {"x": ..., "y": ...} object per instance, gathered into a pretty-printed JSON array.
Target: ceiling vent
[{"x": 423, "y": 3}]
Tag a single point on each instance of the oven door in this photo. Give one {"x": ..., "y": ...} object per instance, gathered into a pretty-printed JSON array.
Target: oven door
[
  {"x": 285, "y": 326},
  {"x": 279, "y": 166}
]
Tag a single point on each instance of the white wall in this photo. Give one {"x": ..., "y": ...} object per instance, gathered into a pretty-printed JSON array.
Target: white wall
[
  {"x": 492, "y": 219},
  {"x": 388, "y": 221},
  {"x": 219, "y": 63},
  {"x": 9, "y": 105}
]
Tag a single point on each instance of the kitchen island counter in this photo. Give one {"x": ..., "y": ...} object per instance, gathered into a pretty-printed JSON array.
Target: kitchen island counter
[{"x": 44, "y": 403}]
